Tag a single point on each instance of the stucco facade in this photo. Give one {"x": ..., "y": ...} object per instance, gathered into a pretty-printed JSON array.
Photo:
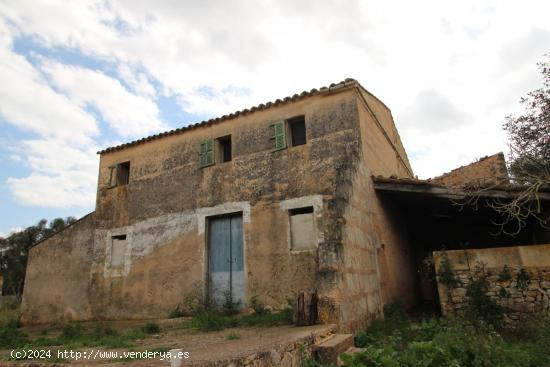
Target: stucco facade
[{"x": 358, "y": 260}]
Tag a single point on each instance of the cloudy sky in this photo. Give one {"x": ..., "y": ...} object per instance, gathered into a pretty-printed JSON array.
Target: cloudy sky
[{"x": 77, "y": 76}]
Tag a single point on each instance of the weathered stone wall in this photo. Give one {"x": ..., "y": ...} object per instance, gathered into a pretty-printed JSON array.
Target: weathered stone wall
[
  {"x": 518, "y": 279},
  {"x": 164, "y": 210},
  {"x": 488, "y": 170},
  {"x": 57, "y": 281},
  {"x": 375, "y": 266}
]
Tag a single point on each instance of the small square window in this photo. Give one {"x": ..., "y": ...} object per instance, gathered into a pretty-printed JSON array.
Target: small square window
[
  {"x": 302, "y": 229},
  {"x": 224, "y": 149},
  {"x": 297, "y": 129}
]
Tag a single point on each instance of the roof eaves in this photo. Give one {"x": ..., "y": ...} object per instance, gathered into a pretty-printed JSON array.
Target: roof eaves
[{"x": 334, "y": 87}]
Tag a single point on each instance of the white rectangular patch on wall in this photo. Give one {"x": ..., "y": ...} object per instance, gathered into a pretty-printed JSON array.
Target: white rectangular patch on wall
[
  {"x": 302, "y": 229},
  {"x": 118, "y": 251}
]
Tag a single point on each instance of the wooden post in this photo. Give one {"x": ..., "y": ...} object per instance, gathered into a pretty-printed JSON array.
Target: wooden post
[{"x": 305, "y": 308}]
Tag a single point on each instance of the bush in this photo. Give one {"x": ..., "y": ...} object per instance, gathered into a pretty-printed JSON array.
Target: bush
[
  {"x": 151, "y": 328},
  {"x": 211, "y": 320},
  {"x": 176, "y": 313},
  {"x": 233, "y": 336},
  {"x": 11, "y": 336},
  {"x": 257, "y": 306},
  {"x": 480, "y": 307},
  {"x": 454, "y": 343},
  {"x": 395, "y": 320}
]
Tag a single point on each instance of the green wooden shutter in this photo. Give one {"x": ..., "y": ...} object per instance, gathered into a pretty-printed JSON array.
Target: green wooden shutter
[
  {"x": 279, "y": 135},
  {"x": 206, "y": 156}
]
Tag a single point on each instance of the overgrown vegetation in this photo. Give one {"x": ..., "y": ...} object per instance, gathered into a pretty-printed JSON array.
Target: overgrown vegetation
[
  {"x": 399, "y": 342},
  {"x": 446, "y": 274},
  {"x": 480, "y": 308},
  {"x": 151, "y": 328},
  {"x": 72, "y": 336},
  {"x": 523, "y": 280},
  {"x": 529, "y": 163},
  {"x": 211, "y": 320},
  {"x": 233, "y": 335}
]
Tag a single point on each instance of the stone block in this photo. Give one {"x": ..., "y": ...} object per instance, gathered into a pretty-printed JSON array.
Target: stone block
[{"x": 327, "y": 351}]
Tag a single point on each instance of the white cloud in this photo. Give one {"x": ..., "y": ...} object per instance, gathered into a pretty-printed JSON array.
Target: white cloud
[
  {"x": 433, "y": 112},
  {"x": 127, "y": 113},
  {"x": 30, "y": 104},
  {"x": 62, "y": 175},
  {"x": 452, "y": 70},
  {"x": 139, "y": 82}
]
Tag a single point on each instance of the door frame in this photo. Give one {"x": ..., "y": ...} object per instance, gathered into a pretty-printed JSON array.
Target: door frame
[{"x": 206, "y": 258}]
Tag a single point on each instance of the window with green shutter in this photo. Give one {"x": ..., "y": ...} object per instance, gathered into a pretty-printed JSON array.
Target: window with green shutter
[
  {"x": 279, "y": 135},
  {"x": 206, "y": 156}
]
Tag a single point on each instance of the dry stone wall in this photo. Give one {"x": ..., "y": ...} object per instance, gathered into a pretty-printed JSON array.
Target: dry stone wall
[{"x": 517, "y": 279}]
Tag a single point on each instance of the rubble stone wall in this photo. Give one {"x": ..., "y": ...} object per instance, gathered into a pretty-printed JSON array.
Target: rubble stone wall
[{"x": 518, "y": 279}]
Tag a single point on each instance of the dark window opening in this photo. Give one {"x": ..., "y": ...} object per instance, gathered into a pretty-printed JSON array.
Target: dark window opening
[
  {"x": 298, "y": 211},
  {"x": 119, "y": 174},
  {"x": 297, "y": 127},
  {"x": 120, "y": 237},
  {"x": 123, "y": 173},
  {"x": 224, "y": 148}
]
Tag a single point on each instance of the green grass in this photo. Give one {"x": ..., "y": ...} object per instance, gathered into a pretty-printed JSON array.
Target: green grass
[
  {"x": 212, "y": 321},
  {"x": 399, "y": 342},
  {"x": 233, "y": 336},
  {"x": 73, "y": 336}
]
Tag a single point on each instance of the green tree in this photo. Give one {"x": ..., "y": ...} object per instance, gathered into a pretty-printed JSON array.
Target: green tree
[
  {"x": 529, "y": 158},
  {"x": 14, "y": 251},
  {"x": 529, "y": 135},
  {"x": 528, "y": 163}
]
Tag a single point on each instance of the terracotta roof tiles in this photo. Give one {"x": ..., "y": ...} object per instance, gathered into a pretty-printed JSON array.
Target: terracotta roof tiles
[{"x": 305, "y": 94}]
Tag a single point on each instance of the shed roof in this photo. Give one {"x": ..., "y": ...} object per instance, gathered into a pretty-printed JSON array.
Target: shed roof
[{"x": 428, "y": 187}]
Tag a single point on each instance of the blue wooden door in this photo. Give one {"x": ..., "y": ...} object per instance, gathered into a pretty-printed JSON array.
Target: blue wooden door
[{"x": 226, "y": 263}]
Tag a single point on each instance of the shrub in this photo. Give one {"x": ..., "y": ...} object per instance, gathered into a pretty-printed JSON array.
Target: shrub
[
  {"x": 505, "y": 274},
  {"x": 455, "y": 343},
  {"x": 11, "y": 336},
  {"x": 446, "y": 274},
  {"x": 256, "y": 305},
  {"x": 210, "y": 320},
  {"x": 176, "y": 313},
  {"x": 523, "y": 280},
  {"x": 230, "y": 307},
  {"x": 233, "y": 336},
  {"x": 151, "y": 328},
  {"x": 72, "y": 331},
  {"x": 481, "y": 307},
  {"x": 193, "y": 302}
]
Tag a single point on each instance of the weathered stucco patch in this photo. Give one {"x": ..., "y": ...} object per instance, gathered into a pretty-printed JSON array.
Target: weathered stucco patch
[{"x": 143, "y": 237}]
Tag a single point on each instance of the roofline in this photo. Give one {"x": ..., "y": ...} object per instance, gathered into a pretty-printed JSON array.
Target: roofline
[
  {"x": 447, "y": 174},
  {"x": 428, "y": 187},
  {"x": 332, "y": 88},
  {"x": 61, "y": 230}
]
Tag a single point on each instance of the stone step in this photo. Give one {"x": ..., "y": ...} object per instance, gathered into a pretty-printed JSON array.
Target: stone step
[
  {"x": 328, "y": 350},
  {"x": 350, "y": 351}
]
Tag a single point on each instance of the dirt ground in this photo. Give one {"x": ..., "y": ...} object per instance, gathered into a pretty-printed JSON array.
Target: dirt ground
[{"x": 203, "y": 348}]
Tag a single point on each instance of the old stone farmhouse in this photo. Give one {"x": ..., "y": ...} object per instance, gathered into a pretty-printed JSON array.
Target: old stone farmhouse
[{"x": 313, "y": 191}]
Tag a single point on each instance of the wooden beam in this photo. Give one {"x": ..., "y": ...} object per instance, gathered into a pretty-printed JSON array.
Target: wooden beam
[{"x": 447, "y": 193}]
